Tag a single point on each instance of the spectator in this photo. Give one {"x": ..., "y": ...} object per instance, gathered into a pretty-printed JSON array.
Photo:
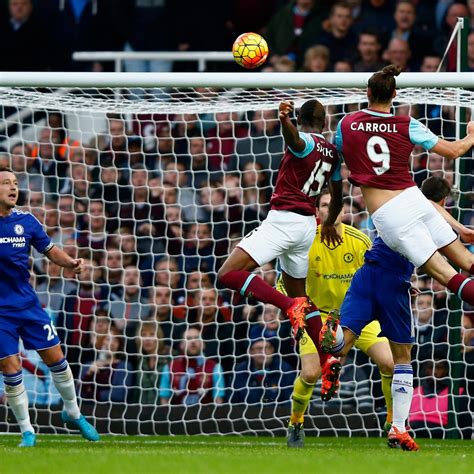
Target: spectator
[
  {"x": 192, "y": 378},
  {"x": 199, "y": 166},
  {"x": 430, "y": 408},
  {"x": 470, "y": 50},
  {"x": 343, "y": 66},
  {"x": 377, "y": 14},
  {"x": 369, "y": 48},
  {"x": 200, "y": 250},
  {"x": 149, "y": 29},
  {"x": 454, "y": 11},
  {"x": 430, "y": 63},
  {"x": 110, "y": 377},
  {"x": 127, "y": 309},
  {"x": 217, "y": 332},
  {"x": 24, "y": 46},
  {"x": 79, "y": 308},
  {"x": 221, "y": 141},
  {"x": 94, "y": 236},
  {"x": 430, "y": 327},
  {"x": 293, "y": 28},
  {"x": 398, "y": 53},
  {"x": 51, "y": 292},
  {"x": 269, "y": 326},
  {"x": 99, "y": 328},
  {"x": 339, "y": 36},
  {"x": 151, "y": 363},
  {"x": 114, "y": 271},
  {"x": 143, "y": 213},
  {"x": 67, "y": 217},
  {"x": 167, "y": 274},
  {"x": 405, "y": 29},
  {"x": 317, "y": 59},
  {"x": 167, "y": 315},
  {"x": 263, "y": 377},
  {"x": 264, "y": 145}
]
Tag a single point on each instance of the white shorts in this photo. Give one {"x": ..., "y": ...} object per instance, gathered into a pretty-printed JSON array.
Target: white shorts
[
  {"x": 410, "y": 225},
  {"x": 284, "y": 235}
]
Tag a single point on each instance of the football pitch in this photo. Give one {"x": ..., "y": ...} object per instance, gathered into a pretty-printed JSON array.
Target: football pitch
[{"x": 231, "y": 454}]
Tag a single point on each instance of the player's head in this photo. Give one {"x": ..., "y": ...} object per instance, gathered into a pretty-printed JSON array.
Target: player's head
[
  {"x": 436, "y": 189},
  {"x": 8, "y": 189},
  {"x": 312, "y": 115},
  {"x": 322, "y": 205},
  {"x": 382, "y": 86}
]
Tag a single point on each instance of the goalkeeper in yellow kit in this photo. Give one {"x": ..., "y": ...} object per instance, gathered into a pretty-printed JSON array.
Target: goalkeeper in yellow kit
[{"x": 331, "y": 269}]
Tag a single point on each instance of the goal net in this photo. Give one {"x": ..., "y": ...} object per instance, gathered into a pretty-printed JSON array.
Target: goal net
[{"x": 154, "y": 187}]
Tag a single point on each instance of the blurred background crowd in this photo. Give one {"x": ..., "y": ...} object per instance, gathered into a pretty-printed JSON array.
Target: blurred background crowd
[
  {"x": 155, "y": 203},
  {"x": 303, "y": 35}
]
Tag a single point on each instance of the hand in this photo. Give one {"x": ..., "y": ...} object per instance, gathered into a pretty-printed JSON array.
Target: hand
[
  {"x": 78, "y": 265},
  {"x": 470, "y": 127},
  {"x": 466, "y": 234},
  {"x": 285, "y": 109},
  {"x": 414, "y": 291},
  {"x": 329, "y": 235}
]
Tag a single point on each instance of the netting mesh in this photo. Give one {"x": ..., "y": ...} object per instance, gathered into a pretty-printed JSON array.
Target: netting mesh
[{"x": 154, "y": 188}]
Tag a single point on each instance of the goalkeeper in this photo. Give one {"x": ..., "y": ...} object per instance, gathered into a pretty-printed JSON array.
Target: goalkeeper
[{"x": 329, "y": 275}]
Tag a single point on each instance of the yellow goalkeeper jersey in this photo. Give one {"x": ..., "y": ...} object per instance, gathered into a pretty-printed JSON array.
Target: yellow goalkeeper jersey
[{"x": 331, "y": 268}]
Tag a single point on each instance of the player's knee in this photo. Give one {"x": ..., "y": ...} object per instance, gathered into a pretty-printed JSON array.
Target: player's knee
[
  {"x": 10, "y": 365},
  {"x": 386, "y": 367},
  {"x": 310, "y": 374}
]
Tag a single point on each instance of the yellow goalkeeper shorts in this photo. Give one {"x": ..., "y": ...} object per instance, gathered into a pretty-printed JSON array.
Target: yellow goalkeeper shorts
[{"x": 368, "y": 337}]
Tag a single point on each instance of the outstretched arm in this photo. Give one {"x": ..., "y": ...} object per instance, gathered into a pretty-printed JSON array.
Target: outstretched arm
[
  {"x": 457, "y": 148},
  {"x": 61, "y": 258},
  {"x": 328, "y": 229},
  {"x": 290, "y": 132},
  {"x": 466, "y": 234}
]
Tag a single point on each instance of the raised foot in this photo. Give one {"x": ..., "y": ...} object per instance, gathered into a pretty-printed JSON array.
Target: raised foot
[{"x": 327, "y": 336}]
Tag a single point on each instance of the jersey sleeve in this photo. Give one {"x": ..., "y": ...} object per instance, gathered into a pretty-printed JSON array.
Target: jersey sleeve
[
  {"x": 338, "y": 139},
  {"x": 39, "y": 239},
  {"x": 421, "y": 135},
  {"x": 309, "y": 145}
]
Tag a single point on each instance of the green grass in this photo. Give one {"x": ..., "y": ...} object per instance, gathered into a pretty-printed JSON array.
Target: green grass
[{"x": 231, "y": 454}]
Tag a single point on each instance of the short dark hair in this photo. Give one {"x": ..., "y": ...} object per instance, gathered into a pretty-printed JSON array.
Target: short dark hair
[
  {"x": 382, "y": 84},
  {"x": 5, "y": 169},
  {"x": 323, "y": 192},
  {"x": 435, "y": 189},
  {"x": 312, "y": 114}
]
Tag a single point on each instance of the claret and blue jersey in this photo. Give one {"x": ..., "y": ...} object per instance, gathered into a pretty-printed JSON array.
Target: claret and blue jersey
[{"x": 21, "y": 314}]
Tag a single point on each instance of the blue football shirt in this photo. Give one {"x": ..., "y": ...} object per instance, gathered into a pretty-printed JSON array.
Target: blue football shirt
[
  {"x": 18, "y": 232},
  {"x": 382, "y": 255}
]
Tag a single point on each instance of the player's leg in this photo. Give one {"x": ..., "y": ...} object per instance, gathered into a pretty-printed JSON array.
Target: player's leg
[
  {"x": 459, "y": 255},
  {"x": 402, "y": 394},
  {"x": 63, "y": 380},
  {"x": 303, "y": 390},
  {"x": 437, "y": 267},
  {"x": 16, "y": 395},
  {"x": 396, "y": 321},
  {"x": 380, "y": 353},
  {"x": 236, "y": 274}
]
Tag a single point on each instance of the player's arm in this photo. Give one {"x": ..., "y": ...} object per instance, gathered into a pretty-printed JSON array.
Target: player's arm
[
  {"x": 466, "y": 234},
  {"x": 328, "y": 230},
  {"x": 420, "y": 135},
  {"x": 290, "y": 133},
  {"x": 61, "y": 258}
]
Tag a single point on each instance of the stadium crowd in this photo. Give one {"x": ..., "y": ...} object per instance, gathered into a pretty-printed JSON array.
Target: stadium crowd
[
  {"x": 306, "y": 35},
  {"x": 155, "y": 213}
]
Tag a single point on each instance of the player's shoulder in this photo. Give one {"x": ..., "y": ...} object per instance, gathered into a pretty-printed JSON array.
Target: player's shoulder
[
  {"x": 20, "y": 215},
  {"x": 356, "y": 237}
]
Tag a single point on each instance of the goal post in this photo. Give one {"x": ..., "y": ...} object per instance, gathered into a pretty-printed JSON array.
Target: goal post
[{"x": 154, "y": 178}]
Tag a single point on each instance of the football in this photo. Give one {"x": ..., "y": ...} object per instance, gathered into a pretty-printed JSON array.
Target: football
[{"x": 250, "y": 50}]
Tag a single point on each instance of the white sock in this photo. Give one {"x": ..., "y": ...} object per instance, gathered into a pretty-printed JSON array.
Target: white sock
[
  {"x": 17, "y": 400},
  {"x": 64, "y": 382},
  {"x": 402, "y": 394}
]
